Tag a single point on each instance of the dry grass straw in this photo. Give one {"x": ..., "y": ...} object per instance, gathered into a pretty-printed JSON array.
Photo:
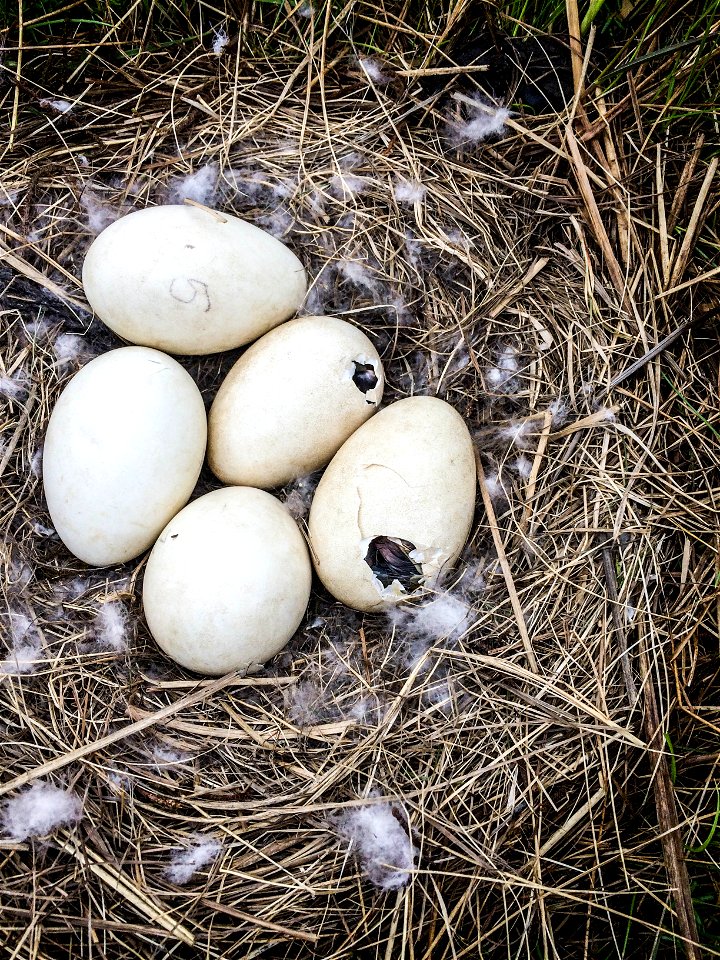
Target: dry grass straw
[{"x": 521, "y": 755}]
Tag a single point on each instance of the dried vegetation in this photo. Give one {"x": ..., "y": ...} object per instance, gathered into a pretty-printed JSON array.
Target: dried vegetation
[{"x": 553, "y": 278}]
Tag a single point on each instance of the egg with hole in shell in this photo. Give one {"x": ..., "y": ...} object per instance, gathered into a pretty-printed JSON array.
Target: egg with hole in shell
[
  {"x": 394, "y": 508},
  {"x": 123, "y": 452},
  {"x": 191, "y": 280},
  {"x": 292, "y": 400},
  {"x": 228, "y": 581}
]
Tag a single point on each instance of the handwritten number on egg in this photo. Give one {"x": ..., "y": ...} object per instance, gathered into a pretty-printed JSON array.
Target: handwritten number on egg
[{"x": 187, "y": 290}]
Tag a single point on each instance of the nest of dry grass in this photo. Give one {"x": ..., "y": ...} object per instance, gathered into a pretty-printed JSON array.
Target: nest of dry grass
[{"x": 543, "y": 283}]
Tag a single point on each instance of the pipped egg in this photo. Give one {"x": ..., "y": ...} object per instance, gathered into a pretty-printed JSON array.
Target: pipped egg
[
  {"x": 292, "y": 400},
  {"x": 394, "y": 507}
]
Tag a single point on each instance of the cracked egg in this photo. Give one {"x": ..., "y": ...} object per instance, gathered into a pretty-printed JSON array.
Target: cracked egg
[
  {"x": 292, "y": 400},
  {"x": 190, "y": 280},
  {"x": 394, "y": 508},
  {"x": 228, "y": 581}
]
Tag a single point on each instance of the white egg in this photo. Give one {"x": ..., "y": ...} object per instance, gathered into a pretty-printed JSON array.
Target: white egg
[
  {"x": 191, "y": 280},
  {"x": 227, "y": 582},
  {"x": 123, "y": 451},
  {"x": 292, "y": 400},
  {"x": 394, "y": 508}
]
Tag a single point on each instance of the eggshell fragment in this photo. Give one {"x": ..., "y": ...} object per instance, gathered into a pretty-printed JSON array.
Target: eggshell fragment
[
  {"x": 394, "y": 507},
  {"x": 291, "y": 401},
  {"x": 191, "y": 280},
  {"x": 123, "y": 451},
  {"x": 227, "y": 582}
]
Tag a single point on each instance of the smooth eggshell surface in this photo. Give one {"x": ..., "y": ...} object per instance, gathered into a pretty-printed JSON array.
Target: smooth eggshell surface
[
  {"x": 123, "y": 451},
  {"x": 406, "y": 477},
  {"x": 292, "y": 400},
  {"x": 191, "y": 281},
  {"x": 227, "y": 582}
]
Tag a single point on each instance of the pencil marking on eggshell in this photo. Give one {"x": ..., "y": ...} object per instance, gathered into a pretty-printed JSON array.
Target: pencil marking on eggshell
[{"x": 186, "y": 290}]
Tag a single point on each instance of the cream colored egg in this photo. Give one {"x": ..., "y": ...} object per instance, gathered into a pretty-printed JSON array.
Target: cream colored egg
[
  {"x": 292, "y": 400},
  {"x": 227, "y": 582},
  {"x": 123, "y": 451},
  {"x": 395, "y": 506},
  {"x": 191, "y": 280}
]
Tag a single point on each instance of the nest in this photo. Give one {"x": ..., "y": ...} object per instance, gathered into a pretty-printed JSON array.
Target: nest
[{"x": 541, "y": 282}]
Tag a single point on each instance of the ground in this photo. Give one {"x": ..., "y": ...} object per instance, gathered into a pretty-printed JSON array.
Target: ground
[{"x": 517, "y": 203}]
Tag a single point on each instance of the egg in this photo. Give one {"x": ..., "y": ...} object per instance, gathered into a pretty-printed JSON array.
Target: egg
[
  {"x": 123, "y": 451},
  {"x": 394, "y": 507},
  {"x": 227, "y": 582},
  {"x": 191, "y": 280},
  {"x": 291, "y": 401}
]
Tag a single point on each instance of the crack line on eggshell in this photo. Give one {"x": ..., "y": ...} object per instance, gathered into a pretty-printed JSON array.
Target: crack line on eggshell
[
  {"x": 368, "y": 466},
  {"x": 384, "y": 466}
]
